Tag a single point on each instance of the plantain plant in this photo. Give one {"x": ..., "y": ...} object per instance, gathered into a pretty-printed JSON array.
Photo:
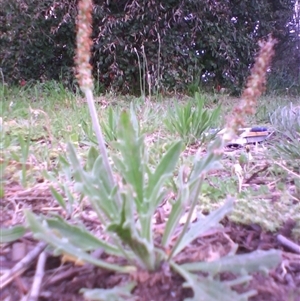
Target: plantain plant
[
  {"x": 126, "y": 211},
  {"x": 126, "y": 207},
  {"x": 286, "y": 123},
  {"x": 192, "y": 123}
]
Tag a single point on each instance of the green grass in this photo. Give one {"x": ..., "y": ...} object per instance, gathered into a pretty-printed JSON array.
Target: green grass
[{"x": 38, "y": 121}]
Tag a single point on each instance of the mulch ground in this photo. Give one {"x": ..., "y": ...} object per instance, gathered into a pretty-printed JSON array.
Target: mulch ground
[{"x": 63, "y": 280}]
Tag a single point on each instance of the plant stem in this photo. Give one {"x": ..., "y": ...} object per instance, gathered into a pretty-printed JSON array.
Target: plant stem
[{"x": 101, "y": 143}]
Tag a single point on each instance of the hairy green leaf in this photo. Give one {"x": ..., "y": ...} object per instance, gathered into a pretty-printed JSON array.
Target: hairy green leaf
[
  {"x": 132, "y": 151},
  {"x": 163, "y": 171},
  {"x": 128, "y": 232},
  {"x": 203, "y": 224},
  {"x": 118, "y": 293},
  {"x": 58, "y": 197},
  {"x": 208, "y": 289},
  {"x": 62, "y": 245},
  {"x": 252, "y": 262},
  {"x": 80, "y": 237},
  {"x": 11, "y": 234}
]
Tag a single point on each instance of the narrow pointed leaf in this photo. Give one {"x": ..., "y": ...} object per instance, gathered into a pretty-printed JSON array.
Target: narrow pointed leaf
[
  {"x": 11, "y": 234},
  {"x": 80, "y": 237},
  {"x": 208, "y": 289},
  {"x": 164, "y": 170},
  {"x": 131, "y": 147},
  {"x": 93, "y": 154},
  {"x": 252, "y": 262},
  {"x": 95, "y": 185},
  {"x": 58, "y": 197},
  {"x": 118, "y": 293},
  {"x": 128, "y": 232},
  {"x": 178, "y": 208},
  {"x": 203, "y": 225},
  {"x": 62, "y": 245},
  {"x": 208, "y": 162}
]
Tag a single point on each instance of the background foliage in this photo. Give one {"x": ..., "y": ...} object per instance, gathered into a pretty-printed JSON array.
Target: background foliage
[{"x": 159, "y": 45}]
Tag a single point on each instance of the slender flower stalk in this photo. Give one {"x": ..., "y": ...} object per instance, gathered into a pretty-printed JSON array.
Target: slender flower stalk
[
  {"x": 254, "y": 88},
  {"x": 84, "y": 44},
  {"x": 84, "y": 75}
]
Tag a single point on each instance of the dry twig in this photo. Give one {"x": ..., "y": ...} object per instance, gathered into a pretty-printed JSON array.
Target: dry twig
[
  {"x": 254, "y": 175},
  {"x": 21, "y": 266},
  {"x": 33, "y": 295},
  {"x": 288, "y": 243},
  {"x": 288, "y": 170}
]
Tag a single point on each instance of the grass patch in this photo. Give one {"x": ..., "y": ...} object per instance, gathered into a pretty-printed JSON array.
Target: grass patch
[{"x": 38, "y": 122}]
